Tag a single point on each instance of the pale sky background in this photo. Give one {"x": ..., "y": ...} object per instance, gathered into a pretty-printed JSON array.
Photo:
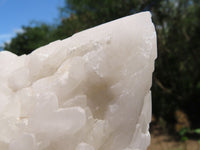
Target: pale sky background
[{"x": 16, "y": 13}]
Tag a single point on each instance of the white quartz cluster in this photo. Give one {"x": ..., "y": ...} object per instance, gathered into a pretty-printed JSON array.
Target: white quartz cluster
[{"x": 88, "y": 92}]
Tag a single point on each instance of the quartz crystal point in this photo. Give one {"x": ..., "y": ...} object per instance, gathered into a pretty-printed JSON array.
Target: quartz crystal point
[{"x": 88, "y": 92}]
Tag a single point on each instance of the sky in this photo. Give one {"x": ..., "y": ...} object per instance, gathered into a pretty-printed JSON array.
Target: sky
[{"x": 17, "y": 13}]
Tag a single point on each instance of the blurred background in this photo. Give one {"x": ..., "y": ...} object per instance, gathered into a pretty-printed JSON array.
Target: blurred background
[{"x": 27, "y": 25}]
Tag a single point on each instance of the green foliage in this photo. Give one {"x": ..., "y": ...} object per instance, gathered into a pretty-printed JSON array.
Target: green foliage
[
  {"x": 176, "y": 83},
  {"x": 68, "y": 27},
  {"x": 197, "y": 131},
  {"x": 1, "y": 48},
  {"x": 176, "y": 77},
  {"x": 91, "y": 13},
  {"x": 183, "y": 134},
  {"x": 30, "y": 39},
  {"x": 199, "y": 142}
]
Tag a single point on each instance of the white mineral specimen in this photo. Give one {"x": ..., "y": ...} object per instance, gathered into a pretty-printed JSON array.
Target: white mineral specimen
[{"x": 88, "y": 92}]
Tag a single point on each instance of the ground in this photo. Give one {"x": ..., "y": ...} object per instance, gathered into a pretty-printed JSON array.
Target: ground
[{"x": 166, "y": 142}]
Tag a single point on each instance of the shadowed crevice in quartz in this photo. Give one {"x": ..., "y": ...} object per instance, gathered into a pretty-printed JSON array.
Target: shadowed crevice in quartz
[{"x": 99, "y": 96}]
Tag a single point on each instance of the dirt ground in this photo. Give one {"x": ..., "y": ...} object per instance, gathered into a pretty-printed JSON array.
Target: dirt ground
[{"x": 165, "y": 142}]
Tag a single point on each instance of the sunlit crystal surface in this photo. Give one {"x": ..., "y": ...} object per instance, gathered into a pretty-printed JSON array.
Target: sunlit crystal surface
[{"x": 88, "y": 92}]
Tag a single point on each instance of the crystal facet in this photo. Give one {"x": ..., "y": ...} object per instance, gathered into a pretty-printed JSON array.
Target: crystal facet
[{"x": 88, "y": 92}]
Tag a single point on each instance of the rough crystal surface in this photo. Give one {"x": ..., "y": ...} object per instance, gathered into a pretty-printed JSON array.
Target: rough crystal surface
[{"x": 88, "y": 92}]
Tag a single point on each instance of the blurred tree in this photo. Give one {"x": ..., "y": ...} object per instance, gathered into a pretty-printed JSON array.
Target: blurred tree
[
  {"x": 68, "y": 27},
  {"x": 177, "y": 84},
  {"x": 1, "y": 48},
  {"x": 91, "y": 13},
  {"x": 30, "y": 39}
]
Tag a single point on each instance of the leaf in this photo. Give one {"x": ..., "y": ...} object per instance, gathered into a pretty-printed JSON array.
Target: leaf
[
  {"x": 199, "y": 141},
  {"x": 198, "y": 85},
  {"x": 184, "y": 138},
  {"x": 197, "y": 131},
  {"x": 183, "y": 131}
]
